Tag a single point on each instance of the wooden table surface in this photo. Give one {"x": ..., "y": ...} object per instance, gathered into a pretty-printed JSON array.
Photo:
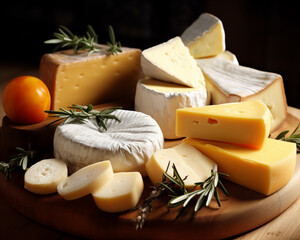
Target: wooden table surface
[{"x": 13, "y": 225}]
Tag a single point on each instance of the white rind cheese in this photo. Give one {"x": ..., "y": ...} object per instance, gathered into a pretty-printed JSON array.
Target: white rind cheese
[
  {"x": 228, "y": 82},
  {"x": 171, "y": 62},
  {"x": 128, "y": 144},
  {"x": 229, "y": 56},
  {"x": 161, "y": 99}
]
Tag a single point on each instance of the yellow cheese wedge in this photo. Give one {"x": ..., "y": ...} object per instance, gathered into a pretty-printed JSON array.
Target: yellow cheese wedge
[
  {"x": 90, "y": 79},
  {"x": 265, "y": 170},
  {"x": 188, "y": 160},
  {"x": 86, "y": 180},
  {"x": 246, "y": 123},
  {"x": 44, "y": 176},
  {"x": 121, "y": 193}
]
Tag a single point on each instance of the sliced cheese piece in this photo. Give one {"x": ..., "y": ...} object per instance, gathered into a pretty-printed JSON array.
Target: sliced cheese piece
[
  {"x": 44, "y": 176},
  {"x": 161, "y": 99},
  {"x": 228, "y": 82},
  {"x": 85, "y": 180},
  {"x": 229, "y": 56},
  {"x": 128, "y": 144},
  {"x": 205, "y": 37},
  {"x": 247, "y": 123},
  {"x": 171, "y": 61},
  {"x": 121, "y": 193},
  {"x": 265, "y": 170},
  {"x": 90, "y": 79},
  {"x": 189, "y": 162}
]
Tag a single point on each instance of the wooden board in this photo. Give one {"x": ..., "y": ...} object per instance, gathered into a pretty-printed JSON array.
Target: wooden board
[{"x": 242, "y": 211}]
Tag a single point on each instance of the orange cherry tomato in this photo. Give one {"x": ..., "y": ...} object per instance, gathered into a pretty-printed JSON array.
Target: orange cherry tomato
[{"x": 25, "y": 99}]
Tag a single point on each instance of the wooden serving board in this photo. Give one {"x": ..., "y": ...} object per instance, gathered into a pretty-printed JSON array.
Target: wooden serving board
[{"x": 242, "y": 211}]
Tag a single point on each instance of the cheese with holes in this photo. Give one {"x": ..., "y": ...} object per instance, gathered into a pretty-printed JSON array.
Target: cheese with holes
[
  {"x": 121, "y": 193},
  {"x": 188, "y": 161},
  {"x": 160, "y": 100},
  {"x": 205, "y": 37},
  {"x": 85, "y": 180},
  {"x": 128, "y": 144},
  {"x": 94, "y": 79},
  {"x": 228, "y": 82},
  {"x": 265, "y": 170},
  {"x": 171, "y": 62},
  {"x": 44, "y": 176},
  {"x": 247, "y": 123}
]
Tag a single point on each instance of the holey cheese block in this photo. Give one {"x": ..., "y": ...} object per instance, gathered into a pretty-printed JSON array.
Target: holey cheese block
[
  {"x": 229, "y": 82},
  {"x": 161, "y": 99},
  {"x": 90, "y": 79},
  {"x": 128, "y": 144}
]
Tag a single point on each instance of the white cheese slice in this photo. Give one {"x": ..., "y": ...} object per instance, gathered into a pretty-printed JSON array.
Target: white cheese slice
[
  {"x": 86, "y": 180},
  {"x": 171, "y": 61},
  {"x": 230, "y": 56},
  {"x": 228, "y": 82},
  {"x": 205, "y": 37},
  {"x": 121, "y": 193},
  {"x": 161, "y": 99},
  {"x": 44, "y": 176},
  {"x": 128, "y": 144}
]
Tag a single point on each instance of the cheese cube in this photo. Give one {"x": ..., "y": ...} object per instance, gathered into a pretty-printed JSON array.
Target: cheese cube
[
  {"x": 188, "y": 160},
  {"x": 229, "y": 82},
  {"x": 171, "y": 62},
  {"x": 205, "y": 37},
  {"x": 44, "y": 176},
  {"x": 94, "y": 79},
  {"x": 121, "y": 193},
  {"x": 86, "y": 180},
  {"x": 246, "y": 123},
  {"x": 265, "y": 170},
  {"x": 161, "y": 99}
]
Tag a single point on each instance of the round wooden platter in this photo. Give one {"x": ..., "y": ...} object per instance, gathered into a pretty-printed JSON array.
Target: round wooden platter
[{"x": 242, "y": 211}]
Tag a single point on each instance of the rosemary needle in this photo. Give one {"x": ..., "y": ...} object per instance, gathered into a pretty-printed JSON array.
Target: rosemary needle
[{"x": 294, "y": 137}]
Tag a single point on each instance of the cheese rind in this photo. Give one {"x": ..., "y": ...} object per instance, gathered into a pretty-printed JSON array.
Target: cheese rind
[
  {"x": 228, "y": 82},
  {"x": 188, "y": 162},
  {"x": 247, "y": 123},
  {"x": 160, "y": 100},
  {"x": 94, "y": 79},
  {"x": 86, "y": 180},
  {"x": 205, "y": 37},
  {"x": 44, "y": 176},
  {"x": 121, "y": 193},
  {"x": 265, "y": 170},
  {"x": 171, "y": 62}
]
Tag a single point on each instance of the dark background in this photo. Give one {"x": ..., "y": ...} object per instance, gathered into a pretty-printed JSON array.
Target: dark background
[{"x": 263, "y": 34}]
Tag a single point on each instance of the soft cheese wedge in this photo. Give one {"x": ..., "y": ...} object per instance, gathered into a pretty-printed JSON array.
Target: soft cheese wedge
[
  {"x": 121, "y": 193},
  {"x": 229, "y": 56},
  {"x": 228, "y": 82},
  {"x": 205, "y": 37},
  {"x": 44, "y": 176},
  {"x": 265, "y": 170},
  {"x": 90, "y": 79},
  {"x": 188, "y": 161},
  {"x": 86, "y": 180},
  {"x": 171, "y": 61},
  {"x": 160, "y": 100},
  {"x": 246, "y": 123}
]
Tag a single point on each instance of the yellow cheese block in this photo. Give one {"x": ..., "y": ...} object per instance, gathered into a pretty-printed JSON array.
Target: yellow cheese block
[
  {"x": 188, "y": 160},
  {"x": 94, "y": 79},
  {"x": 246, "y": 123},
  {"x": 44, "y": 176},
  {"x": 265, "y": 170},
  {"x": 121, "y": 193},
  {"x": 86, "y": 180}
]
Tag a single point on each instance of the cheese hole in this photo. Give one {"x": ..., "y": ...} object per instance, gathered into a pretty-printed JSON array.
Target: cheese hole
[
  {"x": 81, "y": 75},
  {"x": 241, "y": 111},
  {"x": 212, "y": 121}
]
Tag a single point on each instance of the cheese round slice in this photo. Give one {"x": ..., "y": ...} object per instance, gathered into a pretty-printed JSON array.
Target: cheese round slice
[
  {"x": 160, "y": 100},
  {"x": 85, "y": 181},
  {"x": 128, "y": 144},
  {"x": 44, "y": 176}
]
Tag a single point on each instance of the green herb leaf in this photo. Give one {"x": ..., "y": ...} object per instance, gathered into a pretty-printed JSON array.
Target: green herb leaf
[{"x": 294, "y": 137}]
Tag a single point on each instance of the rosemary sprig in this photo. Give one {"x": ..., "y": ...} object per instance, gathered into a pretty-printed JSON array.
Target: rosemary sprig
[
  {"x": 84, "y": 113},
  {"x": 64, "y": 38},
  {"x": 294, "y": 137}
]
